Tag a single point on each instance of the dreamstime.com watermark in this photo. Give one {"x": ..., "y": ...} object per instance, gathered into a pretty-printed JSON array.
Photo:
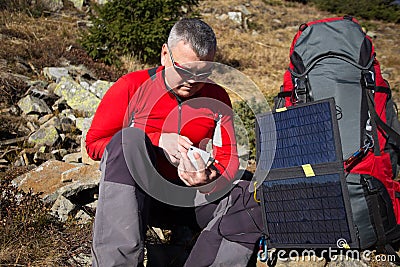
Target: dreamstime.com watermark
[{"x": 342, "y": 252}]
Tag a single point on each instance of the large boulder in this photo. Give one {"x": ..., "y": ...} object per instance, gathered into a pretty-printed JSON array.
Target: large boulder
[
  {"x": 30, "y": 104},
  {"x": 77, "y": 97},
  {"x": 78, "y": 183}
]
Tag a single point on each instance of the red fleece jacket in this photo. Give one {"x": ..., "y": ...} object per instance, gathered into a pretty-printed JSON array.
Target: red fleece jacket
[{"x": 135, "y": 100}]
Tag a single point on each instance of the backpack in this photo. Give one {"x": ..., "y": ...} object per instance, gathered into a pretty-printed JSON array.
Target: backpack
[{"x": 335, "y": 58}]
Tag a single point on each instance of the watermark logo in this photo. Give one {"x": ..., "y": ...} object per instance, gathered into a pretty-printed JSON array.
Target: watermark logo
[
  {"x": 343, "y": 252},
  {"x": 342, "y": 243}
]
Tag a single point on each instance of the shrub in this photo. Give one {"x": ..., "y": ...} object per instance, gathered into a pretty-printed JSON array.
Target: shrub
[
  {"x": 136, "y": 28},
  {"x": 247, "y": 116}
]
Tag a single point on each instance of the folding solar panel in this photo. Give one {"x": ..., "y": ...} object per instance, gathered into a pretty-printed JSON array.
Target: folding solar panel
[{"x": 304, "y": 195}]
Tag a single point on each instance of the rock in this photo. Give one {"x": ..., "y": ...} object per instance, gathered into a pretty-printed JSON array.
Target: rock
[
  {"x": 84, "y": 23},
  {"x": 222, "y": 17},
  {"x": 55, "y": 74},
  {"x": 81, "y": 189},
  {"x": 81, "y": 73},
  {"x": 62, "y": 208},
  {"x": 41, "y": 93},
  {"x": 83, "y": 124},
  {"x": 99, "y": 88},
  {"x": 82, "y": 217},
  {"x": 59, "y": 153},
  {"x": 85, "y": 157},
  {"x": 73, "y": 158},
  {"x": 32, "y": 126},
  {"x": 60, "y": 105},
  {"x": 45, "y": 178},
  {"x": 68, "y": 113},
  {"x": 40, "y": 157},
  {"x": 236, "y": 17},
  {"x": 77, "y": 3},
  {"x": 81, "y": 259},
  {"x": 67, "y": 125},
  {"x": 52, "y": 5},
  {"x": 77, "y": 97},
  {"x": 101, "y": 2},
  {"x": 30, "y": 104},
  {"x": 93, "y": 205},
  {"x": 44, "y": 136},
  {"x": 45, "y": 118},
  {"x": 32, "y": 117},
  {"x": 65, "y": 177},
  {"x": 53, "y": 122}
]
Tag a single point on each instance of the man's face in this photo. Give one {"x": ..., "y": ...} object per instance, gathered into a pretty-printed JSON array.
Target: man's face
[{"x": 184, "y": 73}]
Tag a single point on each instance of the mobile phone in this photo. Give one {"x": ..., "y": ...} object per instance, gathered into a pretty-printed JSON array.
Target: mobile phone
[{"x": 203, "y": 154}]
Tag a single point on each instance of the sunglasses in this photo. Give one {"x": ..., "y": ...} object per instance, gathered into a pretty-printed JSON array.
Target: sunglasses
[{"x": 188, "y": 74}]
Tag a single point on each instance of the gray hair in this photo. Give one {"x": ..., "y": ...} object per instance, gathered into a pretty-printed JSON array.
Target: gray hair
[{"x": 195, "y": 32}]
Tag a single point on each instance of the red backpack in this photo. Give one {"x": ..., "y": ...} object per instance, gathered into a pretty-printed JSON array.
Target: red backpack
[{"x": 335, "y": 58}]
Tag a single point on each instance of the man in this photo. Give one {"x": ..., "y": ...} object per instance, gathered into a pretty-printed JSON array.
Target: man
[{"x": 143, "y": 129}]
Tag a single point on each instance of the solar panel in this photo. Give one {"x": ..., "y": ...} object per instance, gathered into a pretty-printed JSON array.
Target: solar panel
[{"x": 304, "y": 196}]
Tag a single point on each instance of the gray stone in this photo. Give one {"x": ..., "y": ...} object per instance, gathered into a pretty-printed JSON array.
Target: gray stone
[
  {"x": 82, "y": 217},
  {"x": 68, "y": 113},
  {"x": 60, "y": 105},
  {"x": 67, "y": 125},
  {"x": 32, "y": 126},
  {"x": 77, "y": 97},
  {"x": 44, "y": 136},
  {"x": 85, "y": 157},
  {"x": 59, "y": 153},
  {"x": 53, "y": 122},
  {"x": 84, "y": 182},
  {"x": 40, "y": 157},
  {"x": 81, "y": 259},
  {"x": 46, "y": 179},
  {"x": 62, "y": 208},
  {"x": 55, "y": 74},
  {"x": 99, "y": 88},
  {"x": 30, "y": 104},
  {"x": 92, "y": 205},
  {"x": 32, "y": 117},
  {"x": 53, "y": 5},
  {"x": 101, "y": 2},
  {"x": 83, "y": 124},
  {"x": 222, "y": 17},
  {"x": 45, "y": 118},
  {"x": 236, "y": 17},
  {"x": 73, "y": 158},
  {"x": 77, "y": 3}
]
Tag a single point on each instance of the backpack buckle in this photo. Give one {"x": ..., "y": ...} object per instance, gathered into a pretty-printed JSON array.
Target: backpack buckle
[
  {"x": 370, "y": 186},
  {"x": 369, "y": 79},
  {"x": 300, "y": 91}
]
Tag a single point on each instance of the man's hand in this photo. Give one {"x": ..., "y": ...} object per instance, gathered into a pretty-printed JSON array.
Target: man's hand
[
  {"x": 192, "y": 177},
  {"x": 174, "y": 145}
]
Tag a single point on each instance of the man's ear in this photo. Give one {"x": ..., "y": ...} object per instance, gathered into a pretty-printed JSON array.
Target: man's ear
[{"x": 164, "y": 54}]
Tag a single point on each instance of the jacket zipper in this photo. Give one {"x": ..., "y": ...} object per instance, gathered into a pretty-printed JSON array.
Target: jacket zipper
[
  {"x": 179, "y": 100},
  {"x": 179, "y": 116}
]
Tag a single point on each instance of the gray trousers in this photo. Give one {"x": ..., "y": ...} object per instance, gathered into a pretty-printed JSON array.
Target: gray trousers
[{"x": 231, "y": 226}]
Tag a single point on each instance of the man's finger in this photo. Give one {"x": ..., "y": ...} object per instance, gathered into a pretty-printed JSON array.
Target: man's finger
[
  {"x": 184, "y": 178},
  {"x": 185, "y": 142}
]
